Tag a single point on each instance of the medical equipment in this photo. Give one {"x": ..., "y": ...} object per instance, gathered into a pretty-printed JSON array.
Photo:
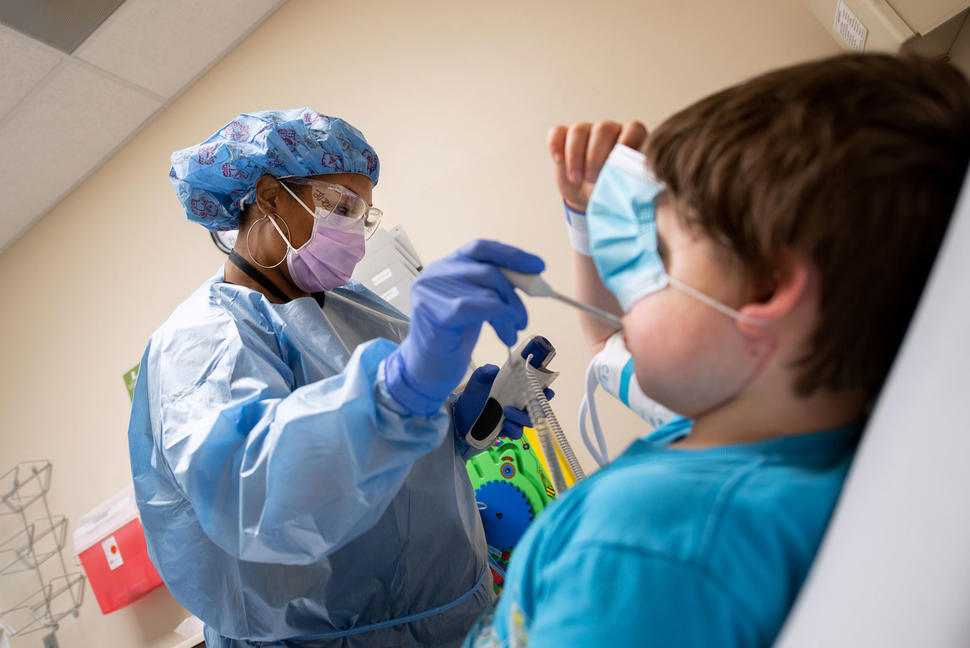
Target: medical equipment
[
  {"x": 535, "y": 286},
  {"x": 511, "y": 488},
  {"x": 110, "y": 544},
  {"x": 521, "y": 383},
  {"x": 506, "y": 389},
  {"x": 467, "y": 407},
  {"x": 389, "y": 266},
  {"x": 547, "y": 427},
  {"x": 612, "y": 369}
]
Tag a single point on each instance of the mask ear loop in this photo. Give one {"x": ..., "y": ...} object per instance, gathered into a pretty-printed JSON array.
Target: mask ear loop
[
  {"x": 713, "y": 303},
  {"x": 588, "y": 404},
  {"x": 286, "y": 239}
]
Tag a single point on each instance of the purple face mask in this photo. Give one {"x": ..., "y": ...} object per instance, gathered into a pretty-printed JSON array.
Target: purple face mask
[{"x": 329, "y": 257}]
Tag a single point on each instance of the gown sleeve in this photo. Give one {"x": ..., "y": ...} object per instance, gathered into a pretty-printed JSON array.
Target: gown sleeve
[{"x": 278, "y": 474}]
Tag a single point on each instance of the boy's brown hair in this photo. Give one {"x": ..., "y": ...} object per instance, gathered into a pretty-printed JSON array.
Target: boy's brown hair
[{"x": 854, "y": 161}]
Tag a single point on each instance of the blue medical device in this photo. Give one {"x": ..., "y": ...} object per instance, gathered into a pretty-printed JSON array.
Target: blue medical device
[{"x": 510, "y": 388}]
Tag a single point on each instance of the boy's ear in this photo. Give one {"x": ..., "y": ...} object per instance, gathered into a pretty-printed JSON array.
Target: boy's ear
[{"x": 790, "y": 286}]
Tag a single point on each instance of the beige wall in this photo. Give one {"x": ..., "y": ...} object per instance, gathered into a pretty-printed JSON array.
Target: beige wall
[{"x": 455, "y": 97}]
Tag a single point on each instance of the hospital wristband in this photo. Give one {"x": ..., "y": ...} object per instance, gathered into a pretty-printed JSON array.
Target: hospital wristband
[{"x": 578, "y": 231}]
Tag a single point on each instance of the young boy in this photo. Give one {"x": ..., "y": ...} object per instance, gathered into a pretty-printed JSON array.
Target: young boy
[{"x": 767, "y": 255}]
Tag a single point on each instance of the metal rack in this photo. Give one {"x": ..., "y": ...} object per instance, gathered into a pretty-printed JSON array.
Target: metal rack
[{"x": 41, "y": 537}]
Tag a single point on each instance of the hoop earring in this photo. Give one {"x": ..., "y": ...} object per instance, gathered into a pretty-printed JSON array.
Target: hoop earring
[{"x": 249, "y": 249}]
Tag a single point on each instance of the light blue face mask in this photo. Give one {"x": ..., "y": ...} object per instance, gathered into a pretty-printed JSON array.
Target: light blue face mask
[{"x": 622, "y": 221}]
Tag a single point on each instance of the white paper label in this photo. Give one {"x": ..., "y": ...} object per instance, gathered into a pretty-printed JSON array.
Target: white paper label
[
  {"x": 391, "y": 294},
  {"x": 113, "y": 553},
  {"x": 381, "y": 276},
  {"x": 849, "y": 27}
]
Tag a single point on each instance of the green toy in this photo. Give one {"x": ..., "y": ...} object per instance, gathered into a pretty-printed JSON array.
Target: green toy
[{"x": 511, "y": 488}]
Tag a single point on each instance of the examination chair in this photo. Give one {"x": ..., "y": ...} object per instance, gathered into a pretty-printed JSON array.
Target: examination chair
[{"x": 894, "y": 566}]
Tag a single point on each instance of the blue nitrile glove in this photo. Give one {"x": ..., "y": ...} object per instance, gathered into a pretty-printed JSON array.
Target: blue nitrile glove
[
  {"x": 450, "y": 300},
  {"x": 471, "y": 401}
]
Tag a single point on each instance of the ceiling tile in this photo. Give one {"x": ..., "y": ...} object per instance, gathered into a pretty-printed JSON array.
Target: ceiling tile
[
  {"x": 60, "y": 134},
  {"x": 23, "y": 63},
  {"x": 61, "y": 23},
  {"x": 162, "y": 46}
]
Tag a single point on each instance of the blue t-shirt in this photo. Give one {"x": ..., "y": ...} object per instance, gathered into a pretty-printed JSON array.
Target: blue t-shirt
[{"x": 674, "y": 547}]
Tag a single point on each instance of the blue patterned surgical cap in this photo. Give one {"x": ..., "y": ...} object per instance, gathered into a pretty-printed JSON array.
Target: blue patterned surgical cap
[{"x": 213, "y": 178}]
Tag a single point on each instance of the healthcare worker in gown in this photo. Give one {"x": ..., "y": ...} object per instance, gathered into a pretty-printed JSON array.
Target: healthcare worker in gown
[{"x": 297, "y": 451}]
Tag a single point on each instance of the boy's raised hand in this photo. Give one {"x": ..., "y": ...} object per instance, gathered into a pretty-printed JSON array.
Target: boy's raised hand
[{"x": 579, "y": 152}]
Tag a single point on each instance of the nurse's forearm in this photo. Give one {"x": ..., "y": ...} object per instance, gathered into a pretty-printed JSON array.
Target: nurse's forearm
[
  {"x": 589, "y": 289},
  {"x": 287, "y": 477}
]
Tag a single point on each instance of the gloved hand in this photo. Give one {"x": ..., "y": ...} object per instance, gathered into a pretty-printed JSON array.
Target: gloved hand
[
  {"x": 469, "y": 405},
  {"x": 450, "y": 300}
]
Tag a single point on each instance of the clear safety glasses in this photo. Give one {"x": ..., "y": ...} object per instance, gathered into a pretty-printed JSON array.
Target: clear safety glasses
[{"x": 338, "y": 200}]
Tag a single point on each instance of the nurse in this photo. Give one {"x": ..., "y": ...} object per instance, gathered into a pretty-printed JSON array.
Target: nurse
[{"x": 297, "y": 451}]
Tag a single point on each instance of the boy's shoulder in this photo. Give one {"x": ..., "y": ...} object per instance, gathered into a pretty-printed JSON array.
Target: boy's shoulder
[
  {"x": 752, "y": 514},
  {"x": 686, "y": 503},
  {"x": 662, "y": 501},
  {"x": 734, "y": 527}
]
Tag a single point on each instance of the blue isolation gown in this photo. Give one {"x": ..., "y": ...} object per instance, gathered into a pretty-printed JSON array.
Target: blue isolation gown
[{"x": 286, "y": 497}]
